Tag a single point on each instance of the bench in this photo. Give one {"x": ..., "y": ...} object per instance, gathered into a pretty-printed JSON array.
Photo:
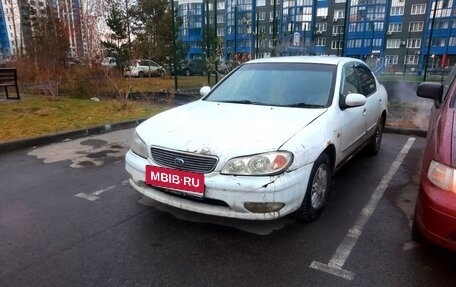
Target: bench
[{"x": 8, "y": 78}]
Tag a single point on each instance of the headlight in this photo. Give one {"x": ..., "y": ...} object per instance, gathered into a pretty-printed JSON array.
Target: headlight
[
  {"x": 259, "y": 164},
  {"x": 442, "y": 176},
  {"x": 138, "y": 146}
]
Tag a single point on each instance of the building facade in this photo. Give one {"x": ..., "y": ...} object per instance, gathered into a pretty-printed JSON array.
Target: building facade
[
  {"x": 16, "y": 18},
  {"x": 391, "y": 36},
  {"x": 11, "y": 37}
]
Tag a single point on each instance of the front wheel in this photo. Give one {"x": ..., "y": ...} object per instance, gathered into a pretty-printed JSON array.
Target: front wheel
[
  {"x": 373, "y": 147},
  {"x": 317, "y": 190},
  {"x": 417, "y": 234}
]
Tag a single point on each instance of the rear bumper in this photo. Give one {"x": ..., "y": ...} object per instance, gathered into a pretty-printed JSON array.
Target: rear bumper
[{"x": 436, "y": 214}]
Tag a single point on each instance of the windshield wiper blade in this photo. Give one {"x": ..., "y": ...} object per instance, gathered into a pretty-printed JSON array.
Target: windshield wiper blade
[
  {"x": 305, "y": 105},
  {"x": 247, "y": 102}
]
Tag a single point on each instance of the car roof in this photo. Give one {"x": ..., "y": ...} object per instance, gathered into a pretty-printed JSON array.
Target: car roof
[{"x": 330, "y": 60}]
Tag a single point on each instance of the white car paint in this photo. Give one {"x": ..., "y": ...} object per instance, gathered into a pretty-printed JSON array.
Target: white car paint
[{"x": 229, "y": 130}]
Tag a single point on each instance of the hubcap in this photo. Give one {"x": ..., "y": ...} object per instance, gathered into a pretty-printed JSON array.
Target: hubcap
[{"x": 319, "y": 186}]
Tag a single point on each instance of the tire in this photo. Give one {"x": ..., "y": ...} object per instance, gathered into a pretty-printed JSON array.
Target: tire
[
  {"x": 141, "y": 74},
  {"x": 417, "y": 234},
  {"x": 317, "y": 191},
  {"x": 373, "y": 147},
  {"x": 187, "y": 72},
  {"x": 204, "y": 73},
  {"x": 162, "y": 73}
]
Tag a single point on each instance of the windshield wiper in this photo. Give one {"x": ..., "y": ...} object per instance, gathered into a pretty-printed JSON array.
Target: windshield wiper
[
  {"x": 305, "y": 105},
  {"x": 247, "y": 102}
]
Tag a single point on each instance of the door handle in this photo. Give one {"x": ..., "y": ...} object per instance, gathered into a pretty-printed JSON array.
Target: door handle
[{"x": 364, "y": 112}]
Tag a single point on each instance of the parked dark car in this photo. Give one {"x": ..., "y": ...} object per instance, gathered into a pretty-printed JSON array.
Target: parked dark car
[
  {"x": 195, "y": 67},
  {"x": 440, "y": 71},
  {"x": 435, "y": 213}
]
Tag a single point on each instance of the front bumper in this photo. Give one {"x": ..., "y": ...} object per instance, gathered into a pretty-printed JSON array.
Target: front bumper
[
  {"x": 436, "y": 214},
  {"x": 233, "y": 191}
]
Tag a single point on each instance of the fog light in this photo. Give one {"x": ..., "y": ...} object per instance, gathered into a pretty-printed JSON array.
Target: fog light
[{"x": 263, "y": 207}]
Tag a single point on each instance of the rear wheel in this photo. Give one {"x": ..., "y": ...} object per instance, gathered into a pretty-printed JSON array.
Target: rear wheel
[
  {"x": 317, "y": 190},
  {"x": 141, "y": 74},
  {"x": 187, "y": 72}
]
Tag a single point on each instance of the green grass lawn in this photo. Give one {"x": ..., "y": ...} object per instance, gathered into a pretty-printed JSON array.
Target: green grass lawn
[{"x": 38, "y": 115}]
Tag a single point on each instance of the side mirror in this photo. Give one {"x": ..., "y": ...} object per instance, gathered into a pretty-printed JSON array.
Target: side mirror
[
  {"x": 429, "y": 90},
  {"x": 205, "y": 90},
  {"x": 355, "y": 100}
]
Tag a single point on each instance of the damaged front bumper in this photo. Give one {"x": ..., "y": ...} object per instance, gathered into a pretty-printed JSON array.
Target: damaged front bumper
[{"x": 243, "y": 197}]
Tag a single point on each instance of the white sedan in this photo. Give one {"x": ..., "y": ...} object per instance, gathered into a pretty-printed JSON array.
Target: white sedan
[{"x": 264, "y": 142}]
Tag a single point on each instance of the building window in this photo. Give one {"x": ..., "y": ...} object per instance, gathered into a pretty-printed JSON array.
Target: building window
[
  {"x": 320, "y": 42},
  {"x": 321, "y": 27},
  {"x": 220, "y": 32},
  {"x": 220, "y": 18},
  {"x": 418, "y": 9},
  {"x": 438, "y": 42},
  {"x": 414, "y": 43},
  {"x": 412, "y": 60},
  {"x": 393, "y": 43},
  {"x": 375, "y": 13},
  {"x": 336, "y": 45},
  {"x": 261, "y": 2},
  {"x": 452, "y": 41},
  {"x": 338, "y": 29},
  {"x": 416, "y": 26},
  {"x": 322, "y": 12},
  {"x": 397, "y": 11},
  {"x": 439, "y": 24},
  {"x": 391, "y": 59},
  {"x": 261, "y": 15},
  {"x": 395, "y": 27},
  {"x": 339, "y": 14}
]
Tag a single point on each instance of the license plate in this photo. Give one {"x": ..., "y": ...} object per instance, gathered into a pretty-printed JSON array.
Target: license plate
[{"x": 182, "y": 181}]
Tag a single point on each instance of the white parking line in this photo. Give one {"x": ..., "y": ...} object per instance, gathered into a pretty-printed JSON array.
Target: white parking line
[
  {"x": 94, "y": 195},
  {"x": 337, "y": 261}
]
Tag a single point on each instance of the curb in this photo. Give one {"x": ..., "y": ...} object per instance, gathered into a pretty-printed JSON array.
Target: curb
[
  {"x": 59, "y": 137},
  {"x": 419, "y": 133}
]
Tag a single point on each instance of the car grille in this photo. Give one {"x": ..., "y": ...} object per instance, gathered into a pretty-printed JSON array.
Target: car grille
[{"x": 184, "y": 161}]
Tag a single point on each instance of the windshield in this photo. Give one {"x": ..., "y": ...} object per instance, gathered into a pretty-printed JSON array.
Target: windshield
[{"x": 278, "y": 84}]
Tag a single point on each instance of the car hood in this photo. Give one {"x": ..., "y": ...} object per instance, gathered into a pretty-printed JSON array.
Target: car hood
[{"x": 225, "y": 129}]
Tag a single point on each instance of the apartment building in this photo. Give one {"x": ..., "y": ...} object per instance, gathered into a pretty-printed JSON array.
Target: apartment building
[
  {"x": 392, "y": 36},
  {"x": 11, "y": 39},
  {"x": 16, "y": 21}
]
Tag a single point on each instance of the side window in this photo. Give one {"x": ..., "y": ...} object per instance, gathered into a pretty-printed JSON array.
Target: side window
[
  {"x": 450, "y": 80},
  {"x": 366, "y": 80},
  {"x": 349, "y": 83}
]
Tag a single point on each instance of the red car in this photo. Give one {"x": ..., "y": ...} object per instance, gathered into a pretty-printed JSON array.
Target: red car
[{"x": 435, "y": 213}]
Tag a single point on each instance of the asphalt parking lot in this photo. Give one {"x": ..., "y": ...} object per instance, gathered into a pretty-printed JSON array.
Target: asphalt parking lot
[{"x": 69, "y": 218}]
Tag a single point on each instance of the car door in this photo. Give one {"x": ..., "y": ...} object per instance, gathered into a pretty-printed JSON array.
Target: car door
[
  {"x": 352, "y": 119},
  {"x": 374, "y": 102},
  {"x": 154, "y": 68}
]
